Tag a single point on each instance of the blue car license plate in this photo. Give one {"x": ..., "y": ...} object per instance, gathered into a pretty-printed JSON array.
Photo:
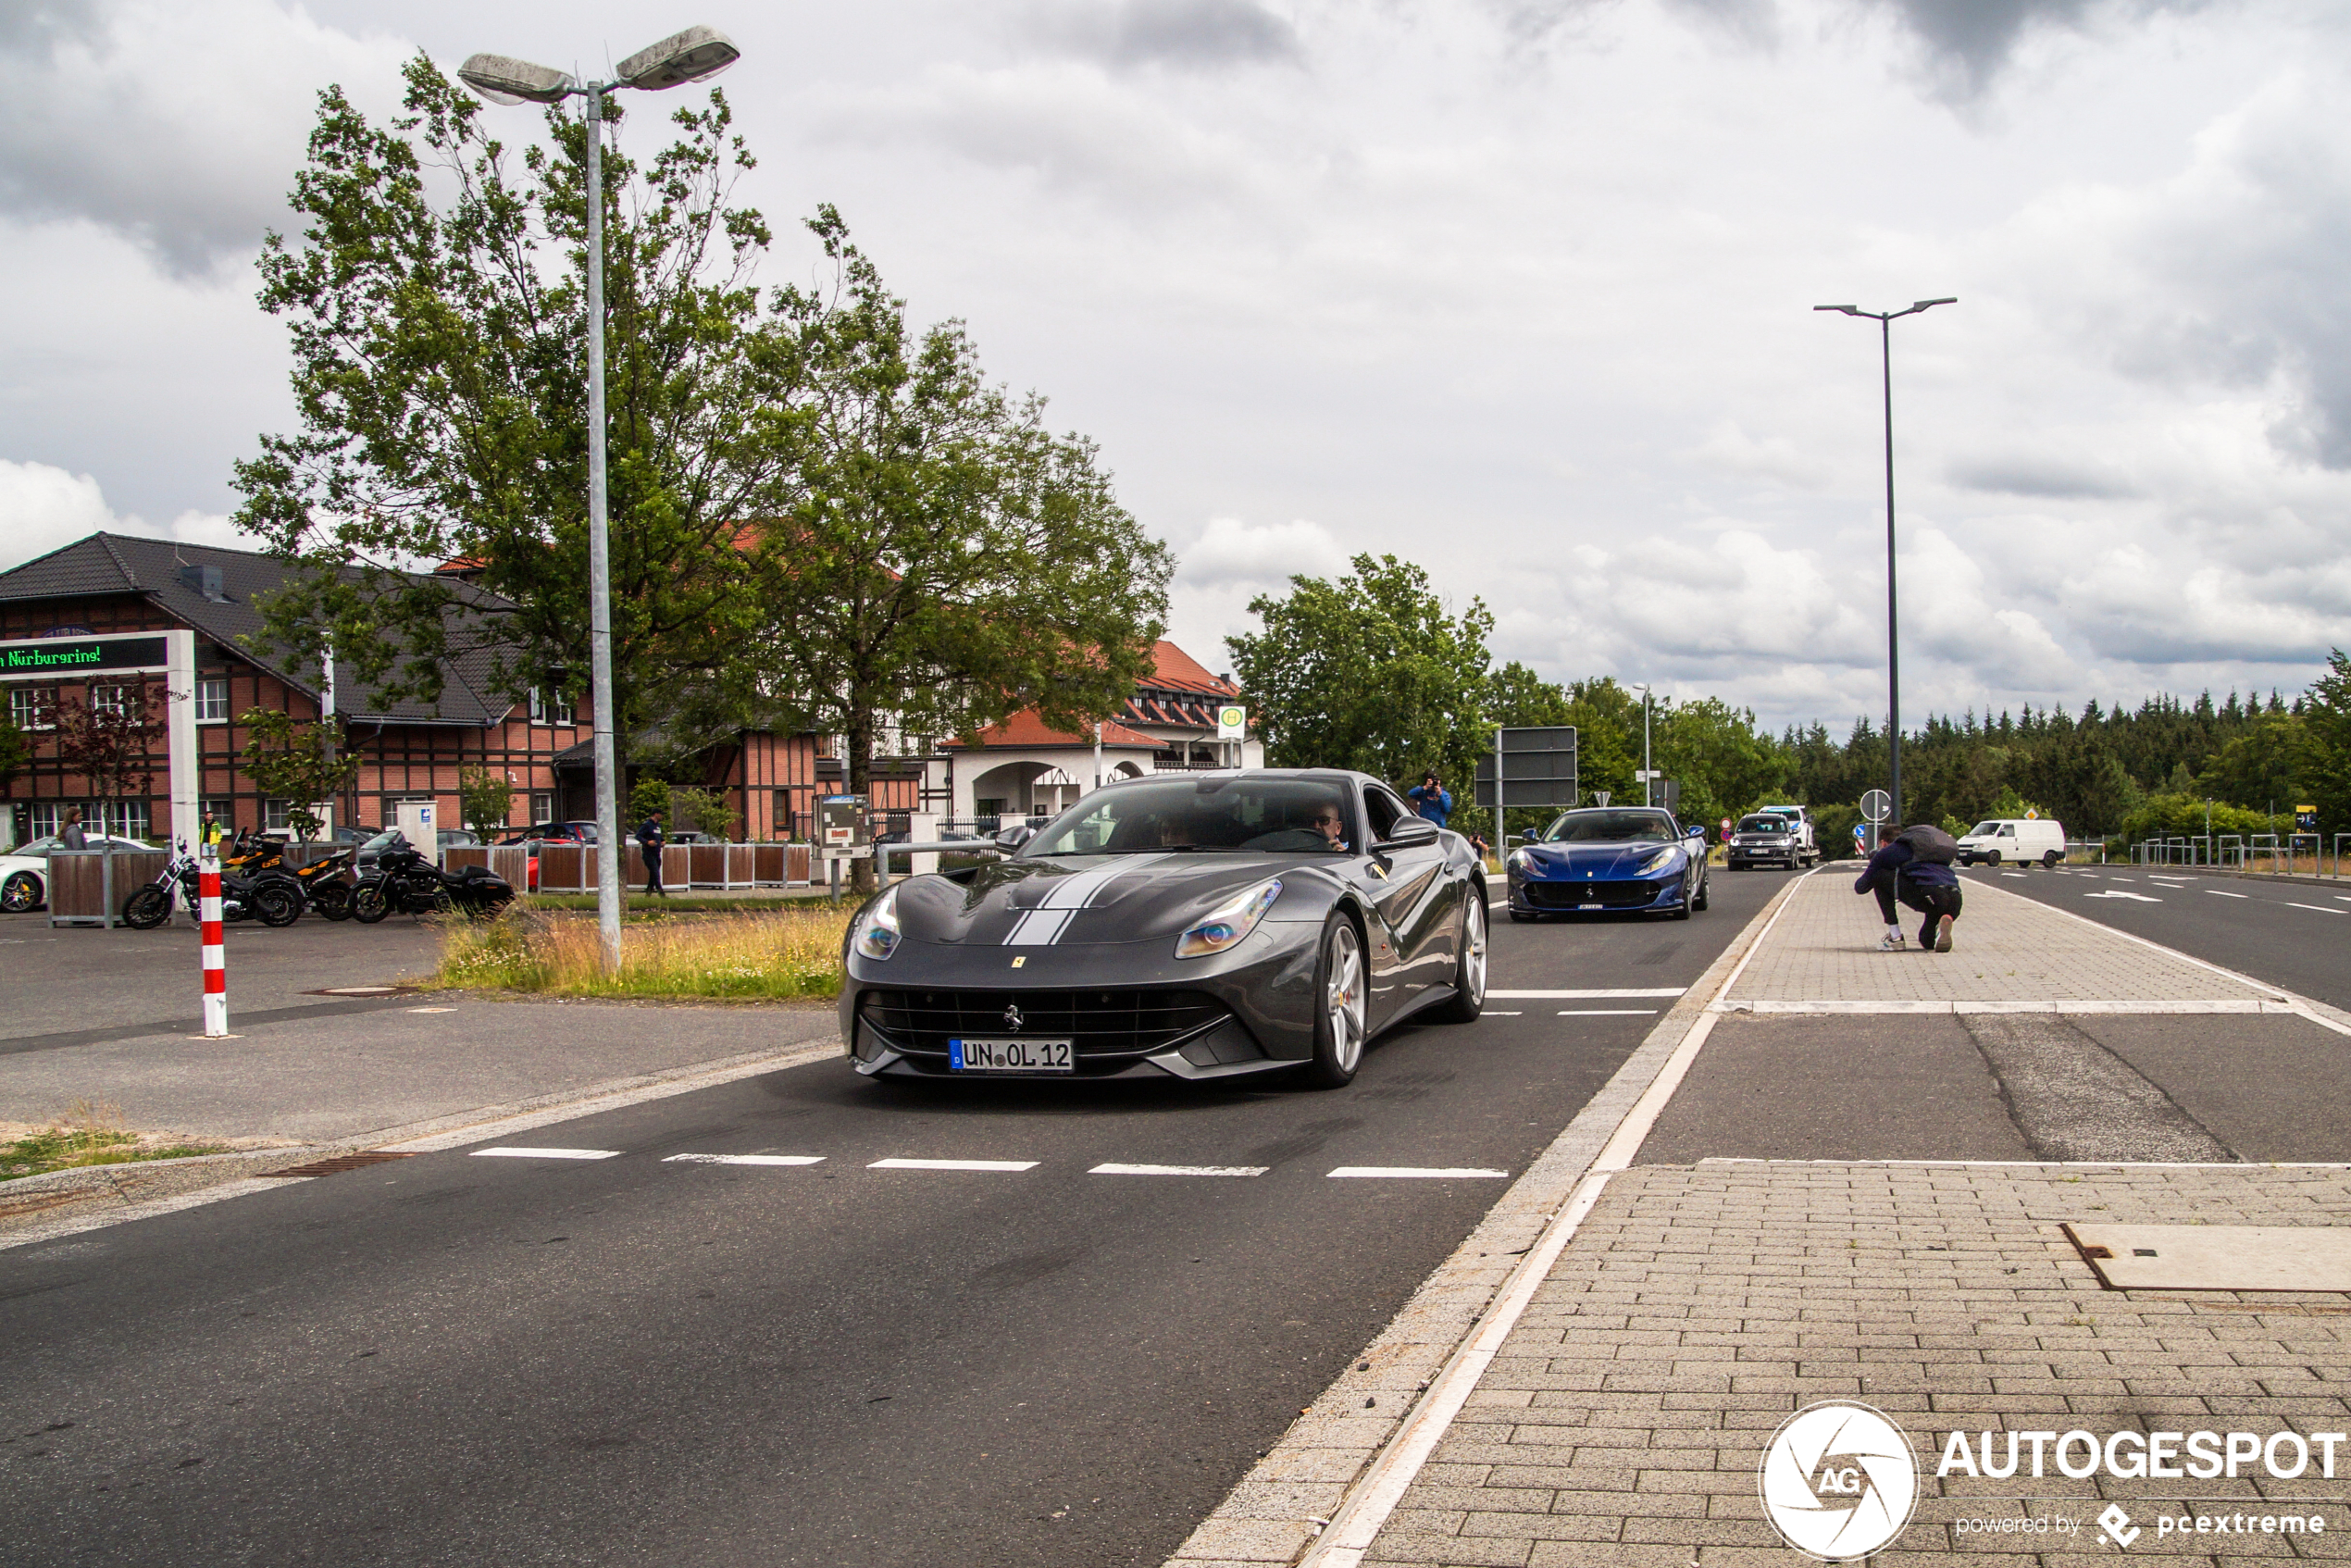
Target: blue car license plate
[{"x": 1009, "y": 1056}]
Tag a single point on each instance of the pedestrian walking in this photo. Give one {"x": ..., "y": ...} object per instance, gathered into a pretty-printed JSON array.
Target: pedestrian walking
[
  {"x": 649, "y": 839},
  {"x": 1431, "y": 799},
  {"x": 71, "y": 837},
  {"x": 1914, "y": 870}
]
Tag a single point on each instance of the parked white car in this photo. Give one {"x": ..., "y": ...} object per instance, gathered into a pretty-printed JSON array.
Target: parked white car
[
  {"x": 2014, "y": 842},
  {"x": 24, "y": 871}
]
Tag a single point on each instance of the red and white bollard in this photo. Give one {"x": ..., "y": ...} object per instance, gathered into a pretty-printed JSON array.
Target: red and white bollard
[{"x": 215, "y": 968}]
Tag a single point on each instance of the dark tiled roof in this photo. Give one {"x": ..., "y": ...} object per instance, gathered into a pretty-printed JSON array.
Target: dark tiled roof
[{"x": 115, "y": 563}]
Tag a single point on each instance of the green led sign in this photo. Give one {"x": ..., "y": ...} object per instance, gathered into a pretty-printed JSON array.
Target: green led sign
[{"x": 82, "y": 656}]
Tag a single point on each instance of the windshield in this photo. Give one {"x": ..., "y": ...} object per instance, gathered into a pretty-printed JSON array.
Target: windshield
[
  {"x": 1606, "y": 827},
  {"x": 383, "y": 841},
  {"x": 1764, "y": 824},
  {"x": 1230, "y": 815}
]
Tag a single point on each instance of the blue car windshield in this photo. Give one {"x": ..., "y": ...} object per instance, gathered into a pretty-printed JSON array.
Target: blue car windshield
[
  {"x": 1200, "y": 816},
  {"x": 1607, "y": 827}
]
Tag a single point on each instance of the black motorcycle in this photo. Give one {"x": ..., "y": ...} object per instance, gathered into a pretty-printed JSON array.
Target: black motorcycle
[
  {"x": 272, "y": 898},
  {"x": 404, "y": 882},
  {"x": 324, "y": 882}
]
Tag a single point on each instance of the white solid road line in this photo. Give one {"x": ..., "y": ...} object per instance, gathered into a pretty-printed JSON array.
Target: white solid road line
[
  {"x": 953, "y": 1165},
  {"x": 1493, "y": 1013},
  {"x": 2320, "y": 908},
  {"x": 1608, "y": 1013},
  {"x": 744, "y": 1159},
  {"x": 1180, "y": 1170},
  {"x": 1586, "y": 995},
  {"x": 2219, "y": 894},
  {"x": 515, "y": 1153},
  {"x": 1410, "y": 1172}
]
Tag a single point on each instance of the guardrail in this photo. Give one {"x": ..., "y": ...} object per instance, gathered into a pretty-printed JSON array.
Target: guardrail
[{"x": 2255, "y": 854}]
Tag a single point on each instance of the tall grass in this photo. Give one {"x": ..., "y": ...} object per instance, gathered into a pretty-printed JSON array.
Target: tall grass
[
  {"x": 91, "y": 1134},
  {"x": 766, "y": 955}
]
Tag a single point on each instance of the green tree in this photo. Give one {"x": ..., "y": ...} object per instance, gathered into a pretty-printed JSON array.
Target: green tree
[
  {"x": 1724, "y": 765},
  {"x": 435, "y": 302},
  {"x": 2327, "y": 721},
  {"x": 302, "y": 763},
  {"x": 16, "y": 751},
  {"x": 1372, "y": 672},
  {"x": 484, "y": 799},
  {"x": 646, "y": 796},
  {"x": 949, "y": 561},
  {"x": 705, "y": 810},
  {"x": 109, "y": 739}
]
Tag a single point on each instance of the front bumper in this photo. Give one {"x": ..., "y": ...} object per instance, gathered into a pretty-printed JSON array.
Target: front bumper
[
  {"x": 1556, "y": 895},
  {"x": 1132, "y": 1009}
]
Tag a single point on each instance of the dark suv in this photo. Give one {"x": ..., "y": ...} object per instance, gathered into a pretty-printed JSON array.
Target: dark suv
[{"x": 1764, "y": 839}]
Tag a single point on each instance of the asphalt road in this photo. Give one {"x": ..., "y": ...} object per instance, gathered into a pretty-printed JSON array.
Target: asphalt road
[
  {"x": 2291, "y": 934},
  {"x": 460, "y": 1358}
]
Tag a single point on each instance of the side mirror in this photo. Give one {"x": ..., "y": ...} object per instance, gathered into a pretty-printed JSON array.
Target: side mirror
[
  {"x": 1409, "y": 832},
  {"x": 1013, "y": 837},
  {"x": 1532, "y": 835}
]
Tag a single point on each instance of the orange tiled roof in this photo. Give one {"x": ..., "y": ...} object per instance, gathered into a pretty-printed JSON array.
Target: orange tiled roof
[
  {"x": 1177, "y": 670},
  {"x": 1026, "y": 728}
]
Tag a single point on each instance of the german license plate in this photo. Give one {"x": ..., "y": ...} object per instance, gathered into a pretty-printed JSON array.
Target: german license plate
[
  {"x": 1587, "y": 906},
  {"x": 1009, "y": 1056}
]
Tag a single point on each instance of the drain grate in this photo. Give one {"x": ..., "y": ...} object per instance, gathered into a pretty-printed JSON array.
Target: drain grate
[
  {"x": 365, "y": 991},
  {"x": 341, "y": 1162}
]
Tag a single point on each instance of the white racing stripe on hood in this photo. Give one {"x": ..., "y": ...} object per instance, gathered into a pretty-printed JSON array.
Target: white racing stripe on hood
[{"x": 1043, "y": 926}]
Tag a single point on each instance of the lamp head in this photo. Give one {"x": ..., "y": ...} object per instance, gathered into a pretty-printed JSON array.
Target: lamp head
[
  {"x": 1849, "y": 310},
  {"x": 502, "y": 79},
  {"x": 1923, "y": 305},
  {"x": 696, "y": 55}
]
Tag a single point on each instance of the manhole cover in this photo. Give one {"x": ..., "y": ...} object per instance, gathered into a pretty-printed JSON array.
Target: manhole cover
[
  {"x": 341, "y": 1162},
  {"x": 2216, "y": 1257}
]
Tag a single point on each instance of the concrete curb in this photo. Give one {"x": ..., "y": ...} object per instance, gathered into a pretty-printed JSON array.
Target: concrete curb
[
  {"x": 1278, "y": 1510},
  {"x": 31, "y": 1208}
]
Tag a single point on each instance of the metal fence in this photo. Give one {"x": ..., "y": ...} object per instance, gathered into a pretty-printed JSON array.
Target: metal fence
[
  {"x": 2268, "y": 853},
  {"x": 571, "y": 868}
]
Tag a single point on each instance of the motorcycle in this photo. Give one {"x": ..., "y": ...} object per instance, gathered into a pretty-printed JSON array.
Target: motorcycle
[
  {"x": 404, "y": 882},
  {"x": 323, "y": 883},
  {"x": 271, "y": 898}
]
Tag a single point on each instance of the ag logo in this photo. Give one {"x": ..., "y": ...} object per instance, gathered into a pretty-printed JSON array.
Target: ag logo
[{"x": 1838, "y": 1480}]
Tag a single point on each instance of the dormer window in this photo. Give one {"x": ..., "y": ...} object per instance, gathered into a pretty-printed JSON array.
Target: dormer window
[{"x": 551, "y": 708}]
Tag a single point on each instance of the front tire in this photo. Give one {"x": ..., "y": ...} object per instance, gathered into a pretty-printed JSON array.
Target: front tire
[
  {"x": 1704, "y": 891},
  {"x": 2048, "y": 860},
  {"x": 332, "y": 900},
  {"x": 368, "y": 903},
  {"x": 1469, "y": 965},
  {"x": 1341, "y": 1001},
  {"x": 146, "y": 909},
  {"x": 1993, "y": 858},
  {"x": 277, "y": 905},
  {"x": 21, "y": 893}
]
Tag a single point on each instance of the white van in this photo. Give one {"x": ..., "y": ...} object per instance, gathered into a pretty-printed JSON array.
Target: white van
[{"x": 2016, "y": 842}]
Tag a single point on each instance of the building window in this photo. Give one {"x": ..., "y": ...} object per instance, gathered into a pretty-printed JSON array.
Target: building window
[
  {"x": 48, "y": 818},
  {"x": 32, "y": 707},
  {"x": 113, "y": 699},
  {"x": 551, "y": 707},
  {"x": 277, "y": 816},
  {"x": 124, "y": 819},
  {"x": 223, "y": 812},
  {"x": 212, "y": 699},
  {"x": 542, "y": 807}
]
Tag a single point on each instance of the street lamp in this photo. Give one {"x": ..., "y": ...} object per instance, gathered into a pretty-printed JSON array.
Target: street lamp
[
  {"x": 1893, "y": 663},
  {"x": 695, "y": 54},
  {"x": 1649, "y": 774}
]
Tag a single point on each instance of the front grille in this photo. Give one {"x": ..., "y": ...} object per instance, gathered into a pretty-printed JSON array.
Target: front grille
[
  {"x": 1102, "y": 1025},
  {"x": 1608, "y": 895}
]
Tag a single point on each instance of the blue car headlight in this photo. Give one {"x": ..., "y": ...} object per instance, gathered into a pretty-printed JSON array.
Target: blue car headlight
[
  {"x": 1522, "y": 861},
  {"x": 877, "y": 934},
  {"x": 1225, "y": 926},
  {"x": 1663, "y": 860}
]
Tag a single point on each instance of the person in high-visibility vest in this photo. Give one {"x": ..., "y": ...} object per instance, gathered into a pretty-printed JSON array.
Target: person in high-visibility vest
[{"x": 208, "y": 832}]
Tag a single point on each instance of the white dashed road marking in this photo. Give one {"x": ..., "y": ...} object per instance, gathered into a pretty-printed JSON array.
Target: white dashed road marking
[
  {"x": 1180, "y": 1170},
  {"x": 514, "y": 1153},
  {"x": 953, "y": 1165},
  {"x": 1607, "y": 1012},
  {"x": 2117, "y": 893},
  {"x": 745, "y": 1159},
  {"x": 1586, "y": 995},
  {"x": 2219, "y": 894},
  {"x": 2320, "y": 908},
  {"x": 1492, "y": 1012},
  {"x": 1411, "y": 1171}
]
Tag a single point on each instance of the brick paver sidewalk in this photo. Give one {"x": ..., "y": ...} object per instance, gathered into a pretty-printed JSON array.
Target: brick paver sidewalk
[
  {"x": 1699, "y": 1306},
  {"x": 2007, "y": 948}
]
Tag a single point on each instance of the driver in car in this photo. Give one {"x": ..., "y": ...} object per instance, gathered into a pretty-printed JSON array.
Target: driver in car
[{"x": 1327, "y": 821}]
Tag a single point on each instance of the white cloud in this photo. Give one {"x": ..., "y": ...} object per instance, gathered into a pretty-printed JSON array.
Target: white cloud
[{"x": 43, "y": 509}]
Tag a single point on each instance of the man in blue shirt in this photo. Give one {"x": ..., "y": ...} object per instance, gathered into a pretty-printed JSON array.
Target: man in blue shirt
[
  {"x": 1896, "y": 874},
  {"x": 1431, "y": 799}
]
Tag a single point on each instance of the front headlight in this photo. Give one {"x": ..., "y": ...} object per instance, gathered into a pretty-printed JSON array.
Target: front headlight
[
  {"x": 1663, "y": 860},
  {"x": 1227, "y": 924},
  {"x": 1520, "y": 862},
  {"x": 878, "y": 935}
]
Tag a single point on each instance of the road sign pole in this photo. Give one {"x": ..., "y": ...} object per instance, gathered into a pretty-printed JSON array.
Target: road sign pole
[
  {"x": 216, "y": 964},
  {"x": 1501, "y": 834}
]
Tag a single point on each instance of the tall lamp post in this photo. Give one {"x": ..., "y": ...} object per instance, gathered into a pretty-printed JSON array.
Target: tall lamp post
[
  {"x": 1648, "y": 772},
  {"x": 695, "y": 54},
  {"x": 1884, "y": 319}
]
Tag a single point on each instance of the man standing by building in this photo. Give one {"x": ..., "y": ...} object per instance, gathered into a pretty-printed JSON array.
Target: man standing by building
[{"x": 649, "y": 839}]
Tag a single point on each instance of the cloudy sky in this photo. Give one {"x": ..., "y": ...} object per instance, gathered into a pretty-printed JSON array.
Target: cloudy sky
[{"x": 1521, "y": 290}]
